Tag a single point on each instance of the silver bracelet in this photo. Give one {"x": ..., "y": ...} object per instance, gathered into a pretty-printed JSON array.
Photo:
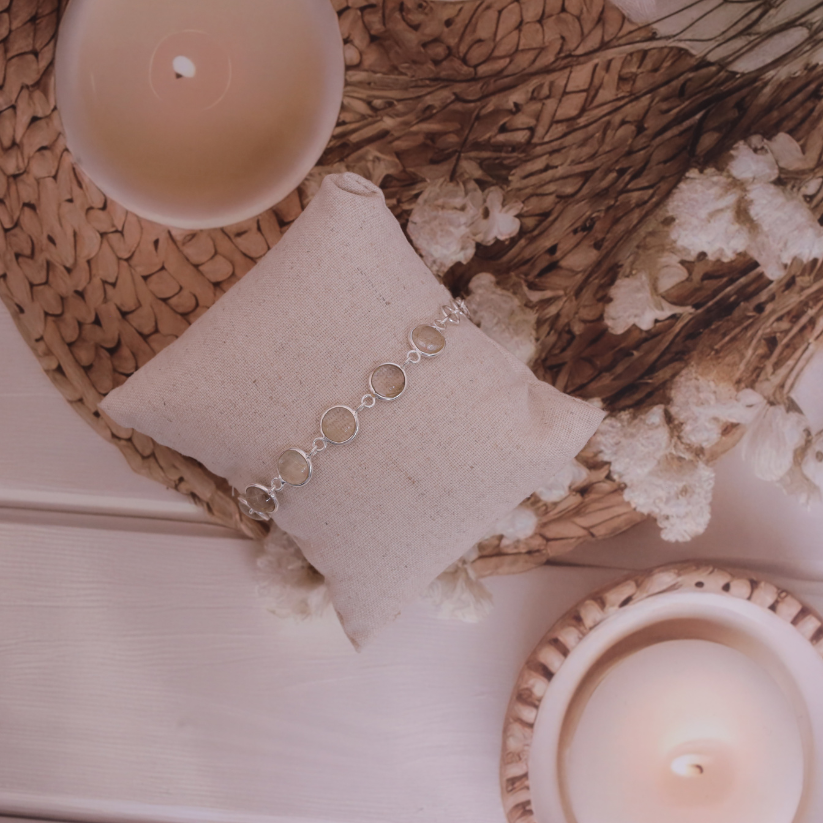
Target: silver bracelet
[{"x": 341, "y": 424}]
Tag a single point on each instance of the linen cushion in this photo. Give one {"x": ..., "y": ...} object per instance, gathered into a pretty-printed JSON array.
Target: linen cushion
[{"x": 428, "y": 475}]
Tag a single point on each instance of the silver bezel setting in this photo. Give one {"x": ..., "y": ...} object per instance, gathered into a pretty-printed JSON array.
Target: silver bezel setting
[
  {"x": 250, "y": 511},
  {"x": 356, "y": 425},
  {"x": 305, "y": 456},
  {"x": 247, "y": 510},
  {"x": 417, "y": 348},
  {"x": 377, "y": 393}
]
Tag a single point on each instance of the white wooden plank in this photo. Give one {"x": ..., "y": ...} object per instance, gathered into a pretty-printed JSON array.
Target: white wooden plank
[
  {"x": 171, "y": 507},
  {"x": 142, "y": 679},
  {"x": 4, "y": 819},
  {"x": 115, "y": 523},
  {"x": 50, "y": 458}
]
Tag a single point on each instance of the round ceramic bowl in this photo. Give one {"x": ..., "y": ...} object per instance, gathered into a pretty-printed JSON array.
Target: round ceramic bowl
[
  {"x": 736, "y": 610},
  {"x": 198, "y": 113}
]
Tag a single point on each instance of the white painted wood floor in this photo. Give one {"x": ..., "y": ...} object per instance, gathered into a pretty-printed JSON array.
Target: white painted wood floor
[{"x": 141, "y": 678}]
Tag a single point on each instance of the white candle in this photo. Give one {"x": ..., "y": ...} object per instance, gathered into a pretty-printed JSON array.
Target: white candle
[
  {"x": 686, "y": 731},
  {"x": 686, "y": 706},
  {"x": 198, "y": 113}
]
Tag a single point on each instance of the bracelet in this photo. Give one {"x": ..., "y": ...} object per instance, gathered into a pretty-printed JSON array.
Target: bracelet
[{"x": 341, "y": 424}]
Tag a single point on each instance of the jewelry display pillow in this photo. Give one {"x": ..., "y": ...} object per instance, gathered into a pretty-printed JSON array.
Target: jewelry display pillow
[{"x": 428, "y": 473}]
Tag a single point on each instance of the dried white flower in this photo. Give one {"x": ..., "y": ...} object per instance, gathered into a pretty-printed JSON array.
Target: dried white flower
[
  {"x": 786, "y": 229},
  {"x": 704, "y": 207},
  {"x": 661, "y": 478},
  {"x": 668, "y": 272},
  {"x": 634, "y": 301},
  {"x": 556, "y": 488},
  {"x": 296, "y": 591},
  {"x": 753, "y": 162},
  {"x": 497, "y": 222},
  {"x": 441, "y": 222},
  {"x": 804, "y": 480},
  {"x": 518, "y": 524},
  {"x": 293, "y": 587},
  {"x": 787, "y": 152},
  {"x": 772, "y": 440},
  {"x": 812, "y": 463},
  {"x": 634, "y": 444},
  {"x": 707, "y": 208},
  {"x": 812, "y": 187},
  {"x": 458, "y": 594},
  {"x": 679, "y": 494},
  {"x": 703, "y": 407},
  {"x": 451, "y": 217},
  {"x": 797, "y": 485},
  {"x": 502, "y": 316}
]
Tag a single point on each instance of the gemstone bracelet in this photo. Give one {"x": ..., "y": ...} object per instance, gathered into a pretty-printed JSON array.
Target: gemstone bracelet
[{"x": 341, "y": 424}]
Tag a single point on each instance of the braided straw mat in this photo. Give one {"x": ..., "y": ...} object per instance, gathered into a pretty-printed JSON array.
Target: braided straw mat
[{"x": 586, "y": 118}]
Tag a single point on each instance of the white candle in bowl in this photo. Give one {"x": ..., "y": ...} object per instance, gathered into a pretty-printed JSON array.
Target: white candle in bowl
[
  {"x": 198, "y": 113},
  {"x": 687, "y": 696},
  {"x": 686, "y": 731}
]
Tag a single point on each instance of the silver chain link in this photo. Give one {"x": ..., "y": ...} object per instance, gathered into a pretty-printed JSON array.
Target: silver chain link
[
  {"x": 315, "y": 448},
  {"x": 365, "y": 404}
]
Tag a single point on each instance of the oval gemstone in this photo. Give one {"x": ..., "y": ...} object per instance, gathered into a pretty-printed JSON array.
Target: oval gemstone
[
  {"x": 260, "y": 499},
  {"x": 293, "y": 467},
  {"x": 388, "y": 381},
  {"x": 339, "y": 424},
  {"x": 427, "y": 340}
]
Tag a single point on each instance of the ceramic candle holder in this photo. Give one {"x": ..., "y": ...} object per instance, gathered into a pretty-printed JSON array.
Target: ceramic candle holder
[
  {"x": 198, "y": 113},
  {"x": 688, "y": 694}
]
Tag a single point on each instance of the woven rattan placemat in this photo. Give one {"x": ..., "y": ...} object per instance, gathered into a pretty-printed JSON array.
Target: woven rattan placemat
[{"x": 587, "y": 119}]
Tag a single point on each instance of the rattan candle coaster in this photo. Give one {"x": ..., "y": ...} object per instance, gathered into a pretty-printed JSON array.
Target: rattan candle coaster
[{"x": 683, "y": 668}]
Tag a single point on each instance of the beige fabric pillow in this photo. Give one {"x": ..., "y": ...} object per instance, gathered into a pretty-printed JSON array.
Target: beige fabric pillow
[{"x": 428, "y": 474}]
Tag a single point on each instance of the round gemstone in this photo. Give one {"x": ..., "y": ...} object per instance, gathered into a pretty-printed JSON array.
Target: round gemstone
[
  {"x": 388, "y": 381},
  {"x": 339, "y": 424},
  {"x": 294, "y": 467},
  {"x": 260, "y": 499},
  {"x": 427, "y": 340}
]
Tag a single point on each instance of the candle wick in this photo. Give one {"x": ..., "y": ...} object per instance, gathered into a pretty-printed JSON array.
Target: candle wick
[
  {"x": 183, "y": 67},
  {"x": 687, "y": 765}
]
